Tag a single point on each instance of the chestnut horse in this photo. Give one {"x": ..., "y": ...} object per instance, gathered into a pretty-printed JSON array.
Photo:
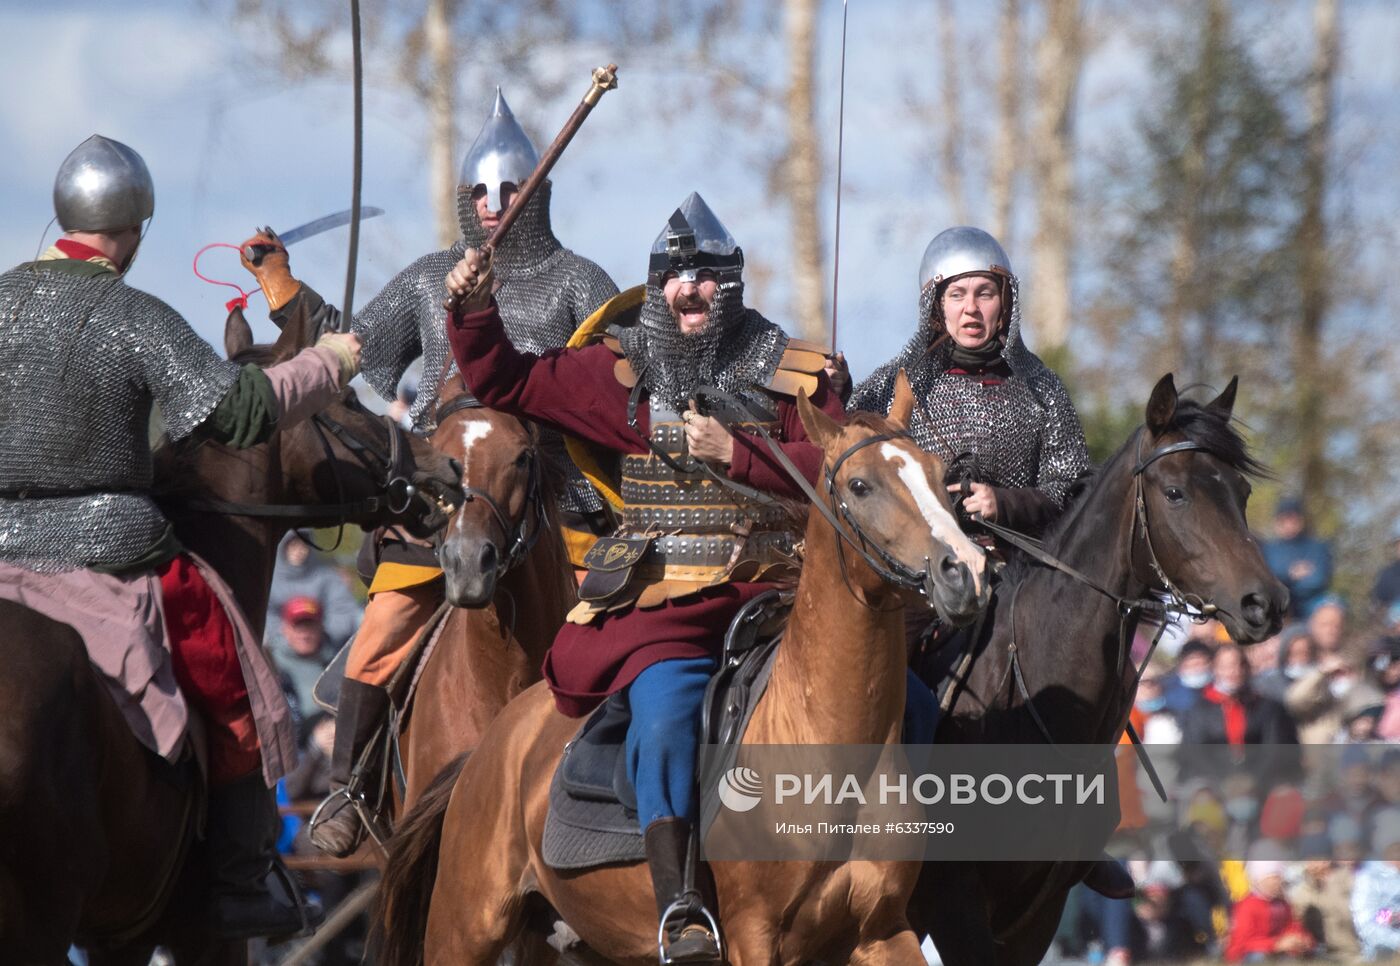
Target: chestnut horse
[
  {"x": 99, "y": 846},
  {"x": 467, "y": 860},
  {"x": 1188, "y": 538},
  {"x": 507, "y": 575}
]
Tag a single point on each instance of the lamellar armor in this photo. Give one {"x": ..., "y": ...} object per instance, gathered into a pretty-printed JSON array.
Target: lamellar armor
[
  {"x": 1020, "y": 431},
  {"x": 684, "y": 528},
  {"x": 83, "y": 358},
  {"x": 545, "y": 291}
]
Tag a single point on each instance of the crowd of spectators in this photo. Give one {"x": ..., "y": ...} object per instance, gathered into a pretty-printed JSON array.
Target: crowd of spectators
[{"x": 1281, "y": 838}]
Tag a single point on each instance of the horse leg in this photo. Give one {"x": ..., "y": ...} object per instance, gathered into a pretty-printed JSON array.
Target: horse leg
[
  {"x": 950, "y": 904},
  {"x": 902, "y": 947},
  {"x": 1029, "y": 945}
]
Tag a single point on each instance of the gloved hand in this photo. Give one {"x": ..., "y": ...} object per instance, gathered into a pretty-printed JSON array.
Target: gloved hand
[
  {"x": 346, "y": 346},
  {"x": 469, "y": 283},
  {"x": 265, "y": 257}
]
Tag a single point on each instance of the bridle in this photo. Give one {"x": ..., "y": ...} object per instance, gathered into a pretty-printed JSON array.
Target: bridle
[
  {"x": 833, "y": 508},
  {"x": 394, "y": 465},
  {"x": 519, "y": 535}
]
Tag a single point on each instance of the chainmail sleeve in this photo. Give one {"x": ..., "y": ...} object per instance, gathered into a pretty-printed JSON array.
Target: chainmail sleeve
[
  {"x": 874, "y": 393},
  {"x": 388, "y": 331},
  {"x": 1064, "y": 456},
  {"x": 182, "y": 372}
]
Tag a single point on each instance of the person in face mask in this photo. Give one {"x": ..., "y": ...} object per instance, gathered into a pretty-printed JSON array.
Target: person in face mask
[
  {"x": 1182, "y": 690},
  {"x": 1230, "y": 712},
  {"x": 1316, "y": 700},
  {"x": 1159, "y": 726},
  {"x": 1296, "y": 657}
]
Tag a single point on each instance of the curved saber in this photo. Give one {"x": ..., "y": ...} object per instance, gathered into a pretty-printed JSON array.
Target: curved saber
[
  {"x": 352, "y": 259},
  {"x": 840, "y": 150}
]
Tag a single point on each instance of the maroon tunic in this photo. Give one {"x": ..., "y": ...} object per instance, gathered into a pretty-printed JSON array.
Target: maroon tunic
[{"x": 575, "y": 391}]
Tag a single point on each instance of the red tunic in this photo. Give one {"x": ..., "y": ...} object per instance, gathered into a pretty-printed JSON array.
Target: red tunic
[{"x": 575, "y": 391}]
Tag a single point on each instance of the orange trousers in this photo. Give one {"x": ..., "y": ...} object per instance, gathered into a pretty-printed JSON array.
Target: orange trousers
[{"x": 392, "y": 619}]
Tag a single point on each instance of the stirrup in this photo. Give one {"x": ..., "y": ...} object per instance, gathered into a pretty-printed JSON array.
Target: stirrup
[
  {"x": 682, "y": 908},
  {"x": 356, "y": 802},
  {"x": 304, "y": 909}
]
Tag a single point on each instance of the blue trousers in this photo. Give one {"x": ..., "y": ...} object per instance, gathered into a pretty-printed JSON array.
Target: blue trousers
[
  {"x": 921, "y": 711},
  {"x": 664, "y": 737}
]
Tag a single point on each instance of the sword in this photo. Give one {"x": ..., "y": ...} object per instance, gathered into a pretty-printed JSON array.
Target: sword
[
  {"x": 255, "y": 253},
  {"x": 604, "y": 80}
]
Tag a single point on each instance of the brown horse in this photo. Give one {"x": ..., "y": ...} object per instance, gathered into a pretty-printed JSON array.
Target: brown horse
[
  {"x": 1190, "y": 536},
  {"x": 98, "y": 846},
  {"x": 467, "y": 861},
  {"x": 507, "y": 575}
]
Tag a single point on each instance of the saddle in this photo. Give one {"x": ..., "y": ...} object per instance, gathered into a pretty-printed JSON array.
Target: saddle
[{"x": 592, "y": 805}]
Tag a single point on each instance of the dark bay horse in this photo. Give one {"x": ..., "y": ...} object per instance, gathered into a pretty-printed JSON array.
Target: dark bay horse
[
  {"x": 467, "y": 861},
  {"x": 507, "y": 576},
  {"x": 95, "y": 824},
  {"x": 1190, "y": 468}
]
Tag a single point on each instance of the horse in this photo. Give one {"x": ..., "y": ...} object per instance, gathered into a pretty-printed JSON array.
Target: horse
[
  {"x": 99, "y": 847},
  {"x": 507, "y": 576},
  {"x": 465, "y": 868},
  {"x": 1164, "y": 515}
]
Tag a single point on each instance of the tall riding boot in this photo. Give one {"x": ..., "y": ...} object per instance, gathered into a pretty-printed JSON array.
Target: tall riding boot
[
  {"x": 336, "y": 828},
  {"x": 689, "y": 938},
  {"x": 251, "y": 893}
]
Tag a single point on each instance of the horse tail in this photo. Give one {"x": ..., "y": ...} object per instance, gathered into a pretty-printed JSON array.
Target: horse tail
[{"x": 400, "y": 919}]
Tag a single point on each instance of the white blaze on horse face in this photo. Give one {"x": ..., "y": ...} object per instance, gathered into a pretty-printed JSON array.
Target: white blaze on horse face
[
  {"x": 472, "y": 433},
  {"x": 942, "y": 524}
]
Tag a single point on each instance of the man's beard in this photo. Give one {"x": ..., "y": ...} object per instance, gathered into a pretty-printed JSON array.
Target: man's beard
[{"x": 692, "y": 304}]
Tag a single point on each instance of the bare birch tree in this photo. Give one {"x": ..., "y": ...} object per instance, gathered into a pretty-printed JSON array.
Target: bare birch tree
[
  {"x": 1059, "y": 61},
  {"x": 949, "y": 116},
  {"x": 803, "y": 163},
  {"x": 1314, "y": 297},
  {"x": 1006, "y": 162}
]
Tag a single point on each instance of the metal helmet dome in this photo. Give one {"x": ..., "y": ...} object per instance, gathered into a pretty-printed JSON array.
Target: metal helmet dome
[
  {"x": 501, "y": 153},
  {"x": 103, "y": 185},
  {"x": 958, "y": 251},
  {"x": 694, "y": 239}
]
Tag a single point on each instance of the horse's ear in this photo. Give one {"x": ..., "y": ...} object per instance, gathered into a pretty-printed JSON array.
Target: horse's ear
[
  {"x": 1161, "y": 408},
  {"x": 903, "y": 405},
  {"x": 238, "y": 334},
  {"x": 821, "y": 428},
  {"x": 1225, "y": 402}
]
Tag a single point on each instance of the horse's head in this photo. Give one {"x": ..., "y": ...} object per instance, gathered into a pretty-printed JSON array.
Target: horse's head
[
  {"x": 346, "y": 462},
  {"x": 1192, "y": 470},
  {"x": 503, "y": 495},
  {"x": 886, "y": 495}
]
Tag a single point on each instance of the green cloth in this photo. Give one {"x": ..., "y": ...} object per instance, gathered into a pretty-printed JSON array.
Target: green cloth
[
  {"x": 247, "y": 415},
  {"x": 72, "y": 266}
]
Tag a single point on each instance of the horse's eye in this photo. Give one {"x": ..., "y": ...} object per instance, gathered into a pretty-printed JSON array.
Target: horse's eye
[
  {"x": 1175, "y": 494},
  {"x": 523, "y": 460},
  {"x": 859, "y": 487}
]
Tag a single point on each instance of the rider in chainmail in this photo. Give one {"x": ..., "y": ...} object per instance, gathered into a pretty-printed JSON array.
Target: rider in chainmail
[
  {"x": 85, "y": 360},
  {"x": 546, "y": 291},
  {"x": 993, "y": 409}
]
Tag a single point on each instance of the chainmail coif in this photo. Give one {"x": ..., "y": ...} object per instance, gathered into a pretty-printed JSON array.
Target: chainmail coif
[{"x": 737, "y": 351}]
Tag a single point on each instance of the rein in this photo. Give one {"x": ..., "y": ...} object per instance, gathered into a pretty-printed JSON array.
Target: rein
[
  {"x": 520, "y": 536},
  {"x": 395, "y": 497},
  {"x": 889, "y": 569}
]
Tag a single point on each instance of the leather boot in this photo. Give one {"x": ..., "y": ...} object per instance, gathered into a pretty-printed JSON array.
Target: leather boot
[
  {"x": 336, "y": 828},
  {"x": 689, "y": 939},
  {"x": 251, "y": 894},
  {"x": 1110, "y": 879}
]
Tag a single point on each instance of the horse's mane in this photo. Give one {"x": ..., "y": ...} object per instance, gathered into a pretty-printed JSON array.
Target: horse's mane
[{"x": 1209, "y": 428}]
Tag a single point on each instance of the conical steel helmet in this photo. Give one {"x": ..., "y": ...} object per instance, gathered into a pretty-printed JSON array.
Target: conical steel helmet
[
  {"x": 694, "y": 239},
  {"x": 103, "y": 185},
  {"x": 958, "y": 251},
  {"x": 502, "y": 153}
]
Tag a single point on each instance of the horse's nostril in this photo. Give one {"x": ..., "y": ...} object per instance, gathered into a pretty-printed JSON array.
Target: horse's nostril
[
  {"x": 488, "y": 557},
  {"x": 949, "y": 566},
  {"x": 1254, "y": 608}
]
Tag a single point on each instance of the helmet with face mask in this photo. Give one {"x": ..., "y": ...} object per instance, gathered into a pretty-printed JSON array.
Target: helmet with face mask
[{"x": 737, "y": 349}]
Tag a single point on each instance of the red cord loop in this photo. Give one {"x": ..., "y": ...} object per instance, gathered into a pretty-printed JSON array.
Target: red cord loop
[{"x": 240, "y": 300}]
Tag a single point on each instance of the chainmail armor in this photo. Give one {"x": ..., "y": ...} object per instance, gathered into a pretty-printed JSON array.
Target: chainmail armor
[
  {"x": 738, "y": 350},
  {"x": 82, "y": 361},
  {"x": 546, "y": 291},
  {"x": 1023, "y": 431}
]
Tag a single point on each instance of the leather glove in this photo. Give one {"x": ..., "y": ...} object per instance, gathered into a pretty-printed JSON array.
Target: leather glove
[{"x": 265, "y": 257}]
